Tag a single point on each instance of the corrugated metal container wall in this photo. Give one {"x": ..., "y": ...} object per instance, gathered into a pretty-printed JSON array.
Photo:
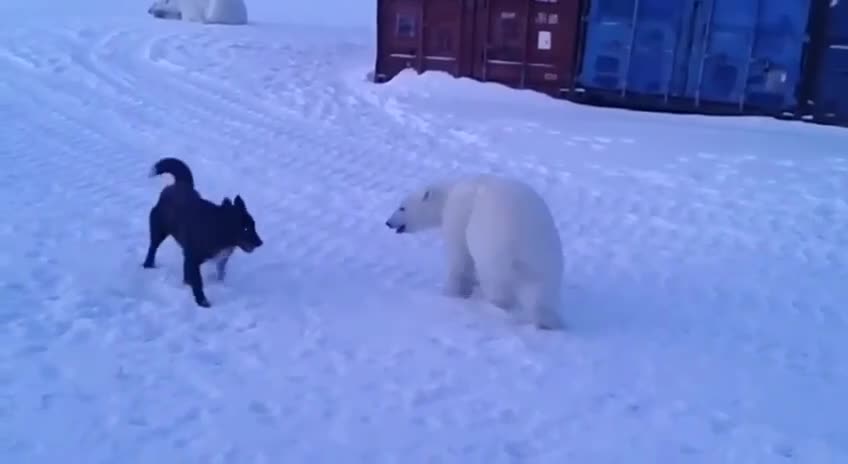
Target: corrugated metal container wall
[
  {"x": 520, "y": 43},
  {"x": 751, "y": 53},
  {"x": 631, "y": 45},
  {"x": 829, "y": 76},
  {"x": 528, "y": 43},
  {"x": 405, "y": 41},
  {"x": 738, "y": 55}
]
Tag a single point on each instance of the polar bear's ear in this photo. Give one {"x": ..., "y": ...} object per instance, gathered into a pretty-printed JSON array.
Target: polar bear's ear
[{"x": 426, "y": 195}]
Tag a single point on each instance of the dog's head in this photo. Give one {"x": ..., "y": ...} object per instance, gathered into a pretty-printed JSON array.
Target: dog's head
[{"x": 243, "y": 224}]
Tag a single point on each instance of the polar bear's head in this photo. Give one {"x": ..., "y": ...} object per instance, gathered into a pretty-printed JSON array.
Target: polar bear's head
[
  {"x": 419, "y": 211},
  {"x": 165, "y": 9}
]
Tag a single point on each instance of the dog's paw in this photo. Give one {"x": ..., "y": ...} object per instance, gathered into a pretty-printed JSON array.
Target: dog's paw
[
  {"x": 147, "y": 265},
  {"x": 204, "y": 303}
]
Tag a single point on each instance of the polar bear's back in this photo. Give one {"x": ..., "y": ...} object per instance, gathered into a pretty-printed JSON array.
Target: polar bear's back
[
  {"x": 193, "y": 10},
  {"x": 226, "y": 12},
  {"x": 509, "y": 213}
]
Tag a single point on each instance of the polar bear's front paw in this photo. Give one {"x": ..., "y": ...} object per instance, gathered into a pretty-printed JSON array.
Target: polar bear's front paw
[{"x": 549, "y": 320}]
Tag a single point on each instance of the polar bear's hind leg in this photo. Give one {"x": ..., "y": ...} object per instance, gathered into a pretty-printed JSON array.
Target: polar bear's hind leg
[
  {"x": 498, "y": 284},
  {"x": 541, "y": 305}
]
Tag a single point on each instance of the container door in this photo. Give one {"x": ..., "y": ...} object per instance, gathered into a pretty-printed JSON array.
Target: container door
[
  {"x": 468, "y": 43},
  {"x": 528, "y": 43},
  {"x": 552, "y": 45},
  {"x": 501, "y": 33},
  {"x": 422, "y": 35},
  {"x": 748, "y": 52},
  {"x": 442, "y": 36},
  {"x": 399, "y": 30},
  {"x": 830, "y": 96},
  {"x": 774, "y": 75},
  {"x": 635, "y": 46}
]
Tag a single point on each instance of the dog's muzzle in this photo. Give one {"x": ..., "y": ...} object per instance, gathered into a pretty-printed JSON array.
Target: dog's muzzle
[{"x": 249, "y": 247}]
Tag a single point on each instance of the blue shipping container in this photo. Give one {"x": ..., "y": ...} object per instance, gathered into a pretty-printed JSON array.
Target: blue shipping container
[
  {"x": 830, "y": 100},
  {"x": 631, "y": 46},
  {"x": 746, "y": 53}
]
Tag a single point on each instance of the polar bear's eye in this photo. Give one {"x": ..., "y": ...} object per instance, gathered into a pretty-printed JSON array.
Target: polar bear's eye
[{"x": 402, "y": 208}]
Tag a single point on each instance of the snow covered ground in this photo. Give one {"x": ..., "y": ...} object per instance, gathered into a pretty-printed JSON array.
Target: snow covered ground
[{"x": 706, "y": 263}]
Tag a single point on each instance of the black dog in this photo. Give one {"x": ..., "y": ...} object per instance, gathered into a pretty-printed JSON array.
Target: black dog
[{"x": 203, "y": 229}]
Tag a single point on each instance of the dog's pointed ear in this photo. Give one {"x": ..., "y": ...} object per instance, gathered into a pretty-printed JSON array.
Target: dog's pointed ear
[
  {"x": 239, "y": 202},
  {"x": 227, "y": 202}
]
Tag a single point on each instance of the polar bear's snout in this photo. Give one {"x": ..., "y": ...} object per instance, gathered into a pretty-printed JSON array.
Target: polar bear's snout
[
  {"x": 397, "y": 221},
  {"x": 417, "y": 212},
  {"x": 396, "y": 225}
]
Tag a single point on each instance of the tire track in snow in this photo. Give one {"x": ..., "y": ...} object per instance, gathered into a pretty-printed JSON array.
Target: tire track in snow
[
  {"x": 330, "y": 166},
  {"x": 115, "y": 87},
  {"x": 416, "y": 148},
  {"x": 204, "y": 113},
  {"x": 257, "y": 117},
  {"x": 663, "y": 227},
  {"x": 468, "y": 369}
]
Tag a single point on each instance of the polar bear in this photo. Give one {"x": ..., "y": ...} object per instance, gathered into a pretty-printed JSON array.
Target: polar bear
[
  {"x": 498, "y": 233},
  {"x": 203, "y": 11}
]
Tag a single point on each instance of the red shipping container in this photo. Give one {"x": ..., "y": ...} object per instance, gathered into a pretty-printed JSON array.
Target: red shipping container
[{"x": 520, "y": 43}]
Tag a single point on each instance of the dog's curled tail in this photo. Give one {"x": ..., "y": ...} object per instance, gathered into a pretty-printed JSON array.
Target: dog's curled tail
[{"x": 175, "y": 167}]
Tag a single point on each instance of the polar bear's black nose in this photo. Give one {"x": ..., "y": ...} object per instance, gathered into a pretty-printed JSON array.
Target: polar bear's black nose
[{"x": 389, "y": 225}]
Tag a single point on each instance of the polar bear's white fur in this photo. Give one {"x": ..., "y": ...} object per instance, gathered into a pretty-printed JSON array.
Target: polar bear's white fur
[
  {"x": 498, "y": 233},
  {"x": 203, "y": 11}
]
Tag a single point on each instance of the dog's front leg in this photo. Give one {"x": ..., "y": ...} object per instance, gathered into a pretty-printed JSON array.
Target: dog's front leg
[
  {"x": 221, "y": 266},
  {"x": 221, "y": 263},
  {"x": 191, "y": 272}
]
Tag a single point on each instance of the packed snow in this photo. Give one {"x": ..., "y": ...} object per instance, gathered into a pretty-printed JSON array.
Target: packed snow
[{"x": 705, "y": 261}]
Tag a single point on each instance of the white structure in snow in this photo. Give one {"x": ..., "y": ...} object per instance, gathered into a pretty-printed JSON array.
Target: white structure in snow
[{"x": 203, "y": 11}]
